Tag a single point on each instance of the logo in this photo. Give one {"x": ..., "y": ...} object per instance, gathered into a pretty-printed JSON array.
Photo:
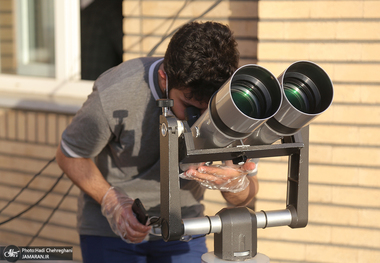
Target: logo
[{"x": 12, "y": 253}]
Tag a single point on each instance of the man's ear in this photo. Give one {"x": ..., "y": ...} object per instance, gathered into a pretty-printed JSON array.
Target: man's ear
[
  {"x": 162, "y": 74},
  {"x": 162, "y": 80}
]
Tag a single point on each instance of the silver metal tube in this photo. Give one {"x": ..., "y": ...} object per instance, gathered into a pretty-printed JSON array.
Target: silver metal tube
[
  {"x": 202, "y": 225},
  {"x": 213, "y": 224},
  {"x": 216, "y": 224},
  {"x": 323, "y": 89},
  {"x": 273, "y": 218},
  {"x": 314, "y": 88},
  {"x": 251, "y": 96}
]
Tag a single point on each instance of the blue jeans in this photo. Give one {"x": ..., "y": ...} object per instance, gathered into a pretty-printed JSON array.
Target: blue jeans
[{"x": 96, "y": 249}]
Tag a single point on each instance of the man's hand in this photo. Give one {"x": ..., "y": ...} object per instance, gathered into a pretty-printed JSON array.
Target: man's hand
[
  {"x": 227, "y": 177},
  {"x": 117, "y": 208}
]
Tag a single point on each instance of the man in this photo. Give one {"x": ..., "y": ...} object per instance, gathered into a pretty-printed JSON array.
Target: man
[{"x": 111, "y": 148}]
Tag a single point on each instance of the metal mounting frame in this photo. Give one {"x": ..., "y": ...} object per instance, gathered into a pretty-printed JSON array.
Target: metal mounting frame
[{"x": 175, "y": 149}]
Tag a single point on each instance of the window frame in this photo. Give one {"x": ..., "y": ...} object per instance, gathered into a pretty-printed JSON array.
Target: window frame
[{"x": 67, "y": 83}]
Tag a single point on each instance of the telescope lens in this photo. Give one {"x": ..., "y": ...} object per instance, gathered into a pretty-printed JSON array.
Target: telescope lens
[
  {"x": 247, "y": 98},
  {"x": 296, "y": 97},
  {"x": 302, "y": 93}
]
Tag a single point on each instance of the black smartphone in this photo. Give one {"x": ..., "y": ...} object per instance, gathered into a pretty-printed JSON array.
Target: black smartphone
[{"x": 140, "y": 212}]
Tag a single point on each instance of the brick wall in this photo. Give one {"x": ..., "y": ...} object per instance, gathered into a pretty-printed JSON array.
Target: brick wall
[
  {"x": 28, "y": 141},
  {"x": 7, "y": 64},
  {"x": 344, "y": 189},
  {"x": 148, "y": 25}
]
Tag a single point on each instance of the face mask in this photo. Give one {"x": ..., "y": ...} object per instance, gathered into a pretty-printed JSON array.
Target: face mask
[{"x": 192, "y": 114}]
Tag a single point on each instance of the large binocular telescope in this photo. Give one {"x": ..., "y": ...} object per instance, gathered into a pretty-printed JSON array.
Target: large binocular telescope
[{"x": 254, "y": 107}]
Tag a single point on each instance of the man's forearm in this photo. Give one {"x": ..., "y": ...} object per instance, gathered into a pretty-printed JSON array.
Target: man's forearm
[
  {"x": 84, "y": 173},
  {"x": 244, "y": 197}
]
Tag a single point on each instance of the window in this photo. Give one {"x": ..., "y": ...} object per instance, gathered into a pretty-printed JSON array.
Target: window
[
  {"x": 35, "y": 38},
  {"x": 40, "y": 50}
]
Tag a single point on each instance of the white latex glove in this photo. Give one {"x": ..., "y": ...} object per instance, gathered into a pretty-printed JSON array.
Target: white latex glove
[
  {"x": 227, "y": 177},
  {"x": 117, "y": 208}
]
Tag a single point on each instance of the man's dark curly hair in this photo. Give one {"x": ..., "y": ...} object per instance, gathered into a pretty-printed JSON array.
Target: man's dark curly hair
[{"x": 201, "y": 56}]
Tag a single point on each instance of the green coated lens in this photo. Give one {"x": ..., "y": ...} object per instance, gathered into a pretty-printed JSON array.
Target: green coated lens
[
  {"x": 296, "y": 97},
  {"x": 246, "y": 98},
  {"x": 245, "y": 102}
]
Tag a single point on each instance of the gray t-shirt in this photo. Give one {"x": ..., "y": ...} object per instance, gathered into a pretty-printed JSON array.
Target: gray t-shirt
[{"x": 118, "y": 127}]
